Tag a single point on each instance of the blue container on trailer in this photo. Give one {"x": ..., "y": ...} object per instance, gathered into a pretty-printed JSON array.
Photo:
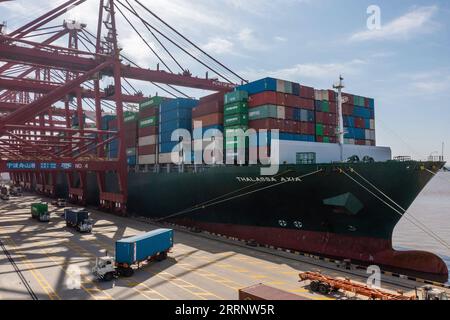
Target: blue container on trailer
[
  {"x": 266, "y": 84},
  {"x": 140, "y": 248},
  {"x": 75, "y": 216}
]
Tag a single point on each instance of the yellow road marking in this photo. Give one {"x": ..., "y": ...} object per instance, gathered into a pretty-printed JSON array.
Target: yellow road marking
[{"x": 36, "y": 274}]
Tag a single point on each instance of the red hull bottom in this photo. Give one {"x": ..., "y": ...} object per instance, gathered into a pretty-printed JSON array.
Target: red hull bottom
[{"x": 366, "y": 251}]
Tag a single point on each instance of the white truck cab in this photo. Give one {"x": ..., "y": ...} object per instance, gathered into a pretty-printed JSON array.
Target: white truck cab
[
  {"x": 104, "y": 268},
  {"x": 86, "y": 226}
]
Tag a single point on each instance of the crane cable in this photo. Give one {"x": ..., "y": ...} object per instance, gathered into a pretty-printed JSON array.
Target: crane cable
[
  {"x": 418, "y": 224},
  {"x": 209, "y": 203},
  {"x": 190, "y": 42},
  {"x": 133, "y": 63},
  {"x": 176, "y": 44},
  {"x": 396, "y": 204}
]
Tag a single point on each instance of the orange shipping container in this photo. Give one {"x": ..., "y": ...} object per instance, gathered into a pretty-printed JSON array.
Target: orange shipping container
[{"x": 210, "y": 120}]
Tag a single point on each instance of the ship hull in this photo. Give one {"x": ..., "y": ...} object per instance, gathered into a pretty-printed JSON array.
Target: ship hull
[{"x": 335, "y": 210}]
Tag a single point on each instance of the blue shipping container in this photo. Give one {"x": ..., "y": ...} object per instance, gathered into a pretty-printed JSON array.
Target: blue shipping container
[
  {"x": 266, "y": 84},
  {"x": 177, "y": 104},
  {"x": 131, "y": 160},
  {"x": 140, "y": 248}
]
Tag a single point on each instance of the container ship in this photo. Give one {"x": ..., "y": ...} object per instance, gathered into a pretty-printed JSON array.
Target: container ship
[{"x": 335, "y": 194}]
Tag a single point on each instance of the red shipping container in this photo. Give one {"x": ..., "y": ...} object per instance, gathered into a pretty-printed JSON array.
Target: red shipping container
[
  {"x": 360, "y": 142},
  {"x": 207, "y": 108},
  {"x": 148, "y": 112},
  {"x": 348, "y": 109},
  {"x": 264, "y": 124},
  {"x": 360, "y": 123},
  {"x": 307, "y": 104},
  {"x": 333, "y": 107},
  {"x": 320, "y": 117},
  {"x": 215, "y": 97},
  {"x": 148, "y": 131},
  {"x": 348, "y": 98},
  {"x": 307, "y": 92},
  {"x": 210, "y": 120},
  {"x": 366, "y": 102},
  {"x": 292, "y": 101},
  {"x": 331, "y": 95},
  {"x": 289, "y": 113},
  {"x": 319, "y": 138},
  {"x": 147, "y": 150},
  {"x": 282, "y": 98},
  {"x": 260, "y": 99}
]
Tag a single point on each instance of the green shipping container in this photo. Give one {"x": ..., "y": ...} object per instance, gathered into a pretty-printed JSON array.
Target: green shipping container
[
  {"x": 319, "y": 129},
  {"x": 149, "y": 122},
  {"x": 231, "y": 131},
  {"x": 325, "y": 106},
  {"x": 326, "y": 139},
  {"x": 236, "y": 96},
  {"x": 236, "y": 108},
  {"x": 263, "y": 112},
  {"x": 236, "y": 120},
  {"x": 234, "y": 143},
  {"x": 130, "y": 116},
  {"x": 151, "y": 103},
  {"x": 38, "y": 209}
]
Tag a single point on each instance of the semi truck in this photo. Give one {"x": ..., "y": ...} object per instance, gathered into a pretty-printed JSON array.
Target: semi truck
[
  {"x": 60, "y": 203},
  {"x": 78, "y": 219},
  {"x": 131, "y": 252},
  {"x": 4, "y": 192},
  {"x": 40, "y": 212},
  {"x": 16, "y": 191}
]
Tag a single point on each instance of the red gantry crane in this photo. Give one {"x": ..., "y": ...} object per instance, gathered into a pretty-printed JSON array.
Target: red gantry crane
[{"x": 50, "y": 75}]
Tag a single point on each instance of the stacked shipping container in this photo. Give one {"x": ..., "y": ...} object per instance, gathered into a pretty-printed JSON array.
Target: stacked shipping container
[
  {"x": 236, "y": 117},
  {"x": 325, "y": 102},
  {"x": 174, "y": 114},
  {"x": 299, "y": 112},
  {"x": 359, "y": 120},
  {"x": 282, "y": 105},
  {"x": 149, "y": 130}
]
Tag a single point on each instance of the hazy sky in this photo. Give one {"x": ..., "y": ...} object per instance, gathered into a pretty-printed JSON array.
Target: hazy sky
[{"x": 405, "y": 66}]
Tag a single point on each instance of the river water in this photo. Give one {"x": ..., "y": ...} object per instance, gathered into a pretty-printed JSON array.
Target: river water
[{"x": 432, "y": 208}]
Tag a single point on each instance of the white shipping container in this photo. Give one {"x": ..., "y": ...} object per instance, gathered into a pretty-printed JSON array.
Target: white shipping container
[
  {"x": 148, "y": 140},
  {"x": 372, "y": 124},
  {"x": 281, "y": 112},
  {"x": 317, "y": 95},
  {"x": 149, "y": 159},
  {"x": 280, "y": 85},
  {"x": 174, "y": 158}
]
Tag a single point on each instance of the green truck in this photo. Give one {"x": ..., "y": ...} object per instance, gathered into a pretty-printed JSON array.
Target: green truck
[{"x": 40, "y": 212}]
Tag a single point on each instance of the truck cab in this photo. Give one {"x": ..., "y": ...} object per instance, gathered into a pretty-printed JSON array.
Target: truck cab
[
  {"x": 60, "y": 203},
  {"x": 16, "y": 191},
  {"x": 104, "y": 268},
  {"x": 4, "y": 193}
]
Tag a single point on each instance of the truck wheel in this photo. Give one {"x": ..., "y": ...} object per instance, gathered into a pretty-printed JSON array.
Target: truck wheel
[
  {"x": 324, "y": 289},
  {"x": 161, "y": 257},
  {"x": 128, "y": 272},
  {"x": 67, "y": 225},
  {"x": 108, "y": 277},
  {"x": 314, "y": 286}
]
